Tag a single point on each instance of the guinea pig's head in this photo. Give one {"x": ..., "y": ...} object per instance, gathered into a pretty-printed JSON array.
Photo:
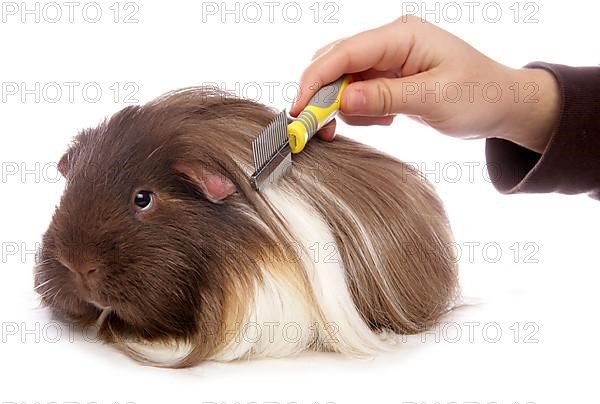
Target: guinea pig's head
[{"x": 148, "y": 227}]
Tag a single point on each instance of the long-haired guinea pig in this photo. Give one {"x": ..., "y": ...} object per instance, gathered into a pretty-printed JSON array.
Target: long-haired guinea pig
[{"x": 160, "y": 241}]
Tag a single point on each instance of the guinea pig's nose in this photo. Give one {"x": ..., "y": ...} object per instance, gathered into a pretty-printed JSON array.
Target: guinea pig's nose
[
  {"x": 83, "y": 269},
  {"x": 86, "y": 269}
]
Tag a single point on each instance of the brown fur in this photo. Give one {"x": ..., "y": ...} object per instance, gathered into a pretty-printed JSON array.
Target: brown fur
[{"x": 185, "y": 271}]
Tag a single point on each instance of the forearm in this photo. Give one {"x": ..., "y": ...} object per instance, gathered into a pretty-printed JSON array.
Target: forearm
[
  {"x": 533, "y": 114},
  {"x": 553, "y": 151}
]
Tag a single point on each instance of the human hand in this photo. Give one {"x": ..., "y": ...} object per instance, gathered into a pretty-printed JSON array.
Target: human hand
[{"x": 414, "y": 68}]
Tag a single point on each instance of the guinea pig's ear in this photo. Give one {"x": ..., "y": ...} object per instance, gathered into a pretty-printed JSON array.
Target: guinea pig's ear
[
  {"x": 215, "y": 186},
  {"x": 64, "y": 164}
]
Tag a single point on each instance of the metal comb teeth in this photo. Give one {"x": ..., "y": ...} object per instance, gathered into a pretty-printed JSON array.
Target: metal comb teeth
[{"x": 270, "y": 152}]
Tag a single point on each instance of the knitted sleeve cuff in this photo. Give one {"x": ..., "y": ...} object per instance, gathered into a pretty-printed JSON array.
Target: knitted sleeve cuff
[{"x": 570, "y": 163}]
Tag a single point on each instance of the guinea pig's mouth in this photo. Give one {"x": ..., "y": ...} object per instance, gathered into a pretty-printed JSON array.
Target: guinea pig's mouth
[
  {"x": 88, "y": 290},
  {"x": 99, "y": 305},
  {"x": 95, "y": 301},
  {"x": 88, "y": 295}
]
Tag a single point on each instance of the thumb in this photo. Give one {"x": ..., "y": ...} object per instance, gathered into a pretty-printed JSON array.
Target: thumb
[{"x": 389, "y": 96}]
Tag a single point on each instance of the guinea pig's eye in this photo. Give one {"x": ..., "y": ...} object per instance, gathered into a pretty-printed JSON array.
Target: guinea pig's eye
[{"x": 144, "y": 200}]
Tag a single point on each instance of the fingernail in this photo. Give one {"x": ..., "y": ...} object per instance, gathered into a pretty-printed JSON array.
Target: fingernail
[
  {"x": 293, "y": 108},
  {"x": 356, "y": 101},
  {"x": 295, "y": 101}
]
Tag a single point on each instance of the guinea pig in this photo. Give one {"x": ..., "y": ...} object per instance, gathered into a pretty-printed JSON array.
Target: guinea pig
[{"x": 161, "y": 243}]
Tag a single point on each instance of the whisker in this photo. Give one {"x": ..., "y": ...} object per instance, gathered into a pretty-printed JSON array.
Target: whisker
[
  {"x": 43, "y": 283},
  {"x": 48, "y": 292},
  {"x": 55, "y": 295},
  {"x": 49, "y": 261}
]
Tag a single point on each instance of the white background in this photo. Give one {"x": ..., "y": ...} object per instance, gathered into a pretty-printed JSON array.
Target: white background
[{"x": 540, "y": 292}]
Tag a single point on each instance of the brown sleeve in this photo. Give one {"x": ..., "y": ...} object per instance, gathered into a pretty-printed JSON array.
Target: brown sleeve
[{"x": 571, "y": 162}]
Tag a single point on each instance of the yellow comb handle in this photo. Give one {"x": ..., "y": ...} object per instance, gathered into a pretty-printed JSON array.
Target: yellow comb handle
[{"x": 320, "y": 110}]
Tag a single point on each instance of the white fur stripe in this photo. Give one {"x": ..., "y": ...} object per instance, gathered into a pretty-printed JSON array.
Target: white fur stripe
[{"x": 327, "y": 277}]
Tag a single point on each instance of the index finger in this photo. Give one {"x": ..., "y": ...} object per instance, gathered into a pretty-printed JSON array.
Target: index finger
[{"x": 382, "y": 48}]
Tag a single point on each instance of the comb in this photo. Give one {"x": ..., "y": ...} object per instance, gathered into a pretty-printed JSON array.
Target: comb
[
  {"x": 271, "y": 152},
  {"x": 273, "y": 147}
]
